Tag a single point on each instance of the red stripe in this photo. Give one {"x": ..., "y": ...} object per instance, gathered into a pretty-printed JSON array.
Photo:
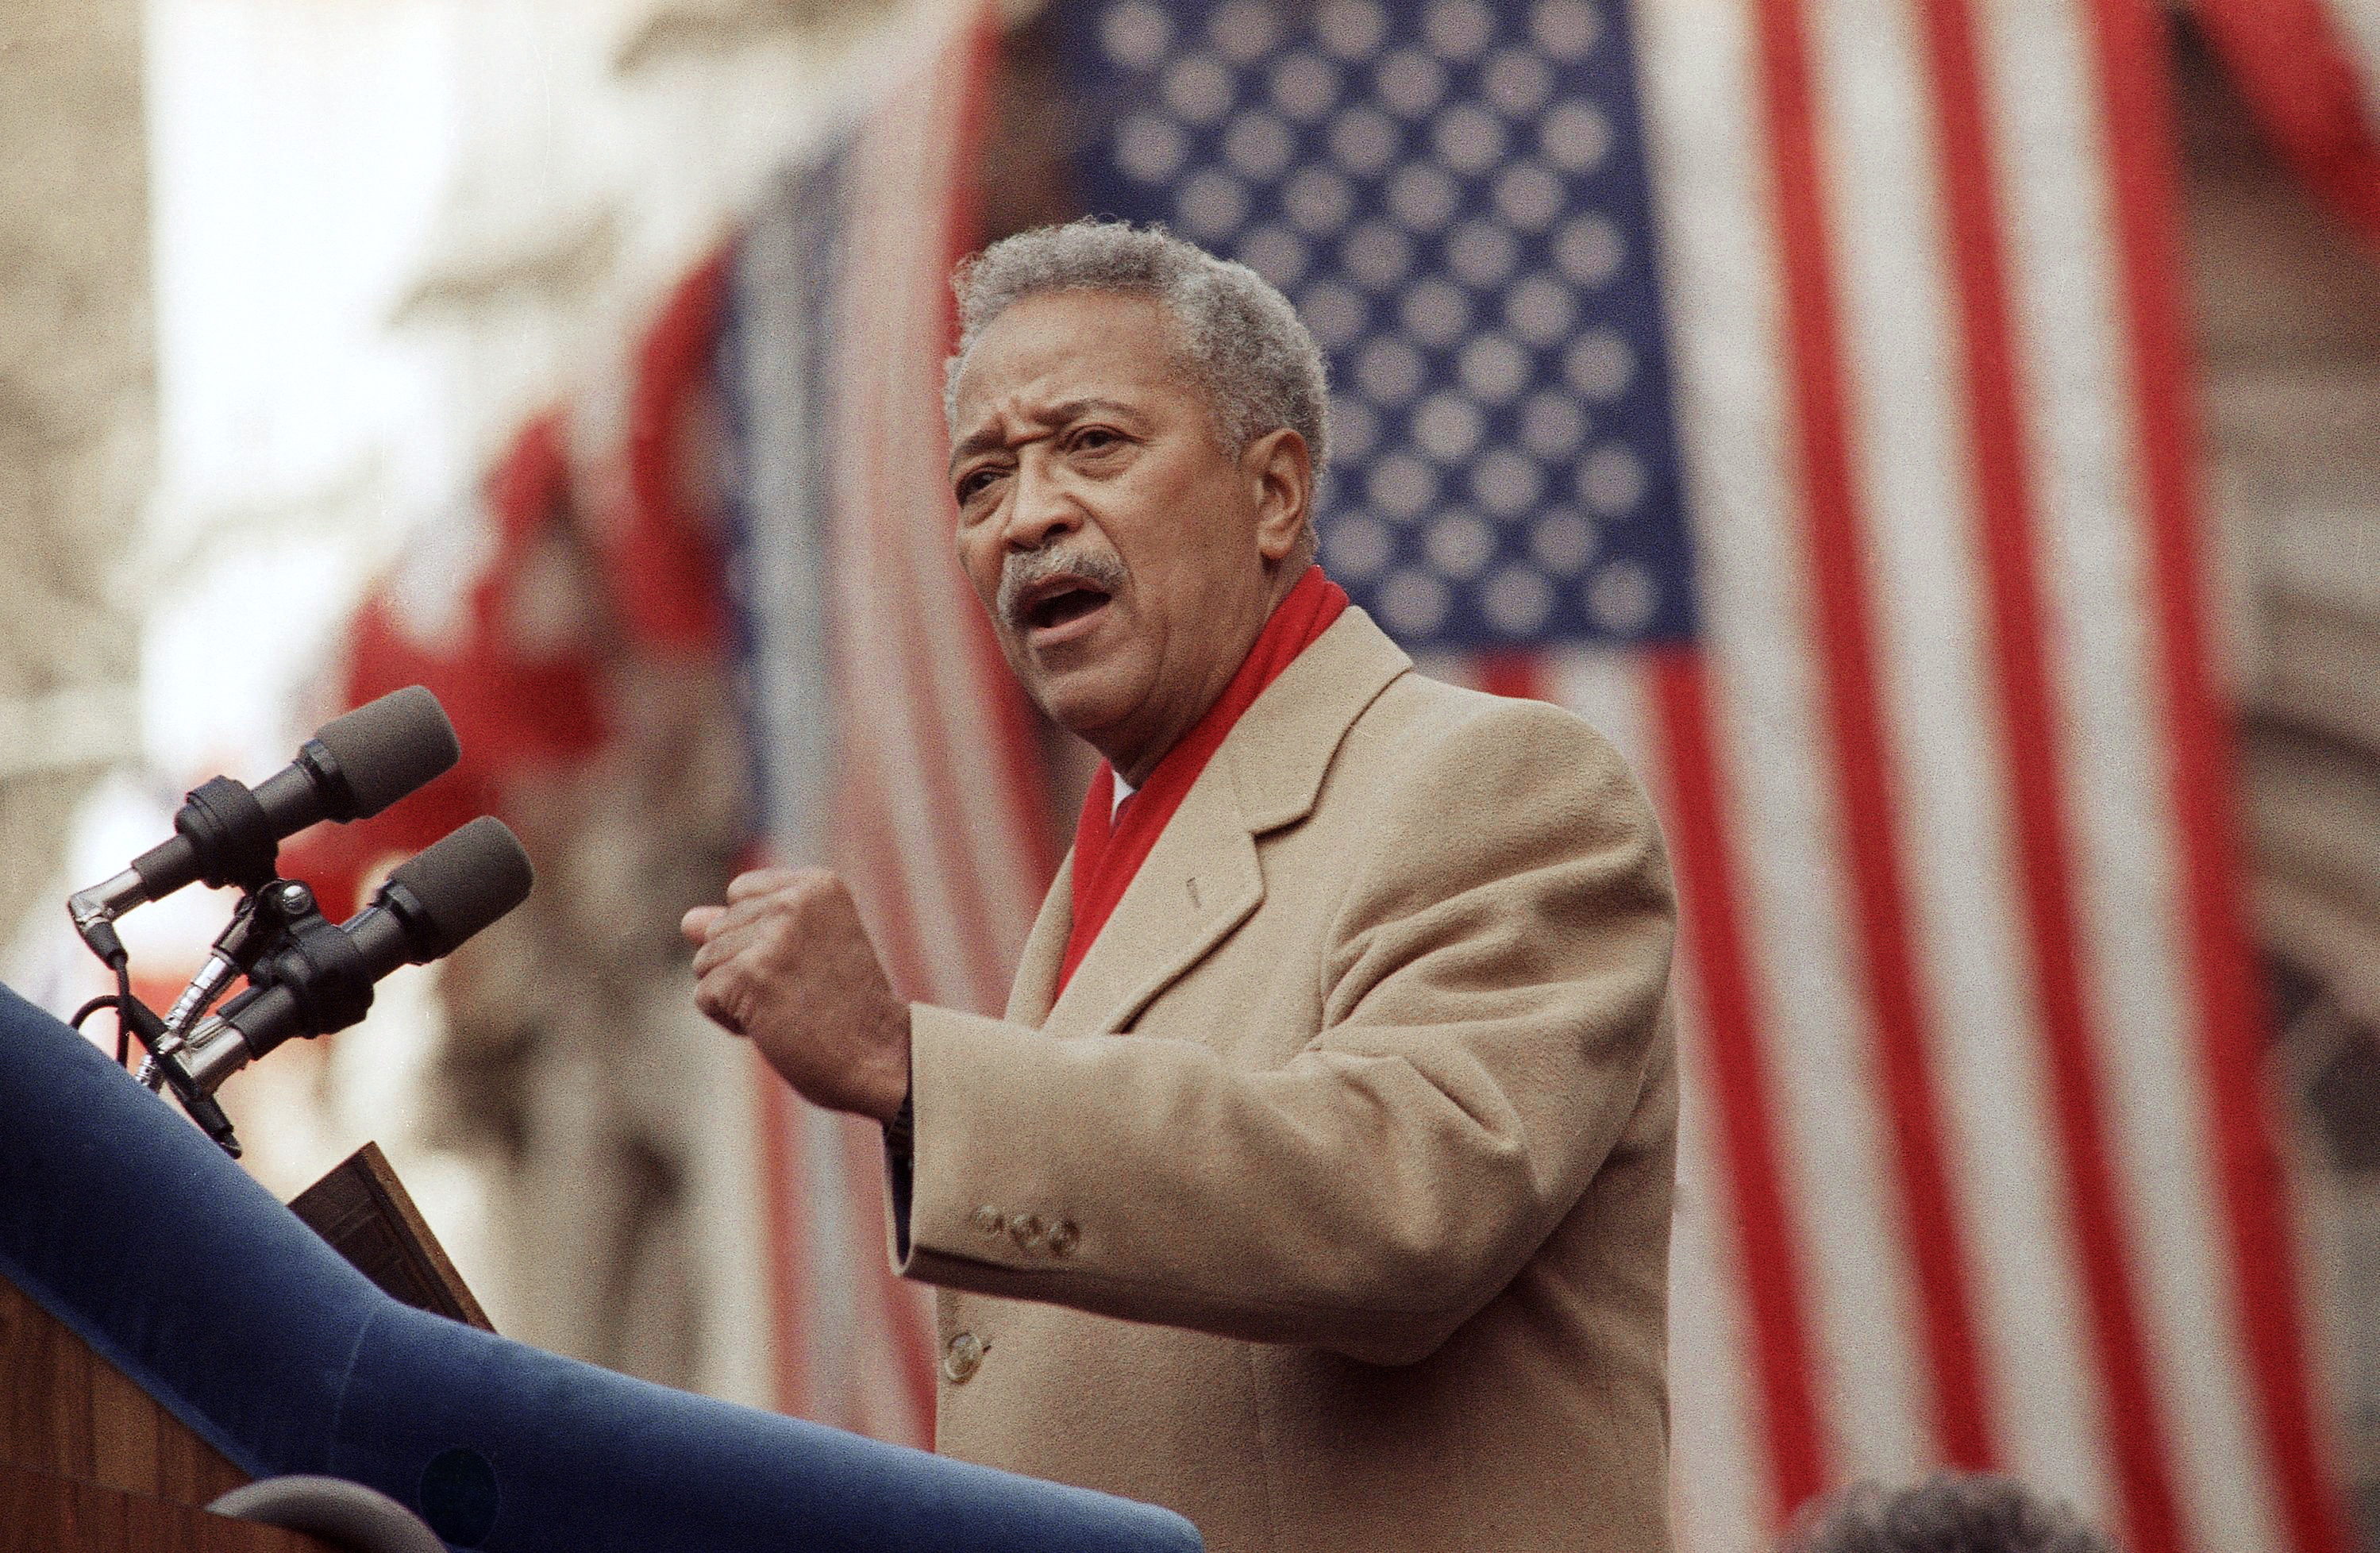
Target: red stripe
[
  {"x": 2006, "y": 508},
  {"x": 894, "y": 920},
  {"x": 2137, "y": 112},
  {"x": 1870, "y": 828},
  {"x": 1015, "y": 744},
  {"x": 953, "y": 850},
  {"x": 925, "y": 550},
  {"x": 1519, "y": 675},
  {"x": 788, "y": 1267},
  {"x": 1712, "y": 950}
]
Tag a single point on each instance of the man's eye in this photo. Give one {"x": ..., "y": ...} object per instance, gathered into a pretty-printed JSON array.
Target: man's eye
[
  {"x": 973, "y": 483},
  {"x": 1096, "y": 439}
]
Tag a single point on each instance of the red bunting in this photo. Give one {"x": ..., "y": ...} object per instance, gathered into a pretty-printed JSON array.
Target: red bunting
[{"x": 521, "y": 683}]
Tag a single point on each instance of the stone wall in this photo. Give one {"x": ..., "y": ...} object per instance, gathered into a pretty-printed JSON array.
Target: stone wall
[{"x": 77, "y": 412}]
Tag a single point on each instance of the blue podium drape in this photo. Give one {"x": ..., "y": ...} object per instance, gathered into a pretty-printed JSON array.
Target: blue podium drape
[{"x": 123, "y": 1222}]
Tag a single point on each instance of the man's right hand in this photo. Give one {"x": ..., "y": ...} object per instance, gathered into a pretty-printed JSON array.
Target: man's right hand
[{"x": 787, "y": 962}]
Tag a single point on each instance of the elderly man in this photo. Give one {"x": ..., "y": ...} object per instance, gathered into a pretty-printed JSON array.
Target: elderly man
[{"x": 1316, "y": 1182}]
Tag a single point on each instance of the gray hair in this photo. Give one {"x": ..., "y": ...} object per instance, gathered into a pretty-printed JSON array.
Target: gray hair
[
  {"x": 1948, "y": 1512},
  {"x": 1238, "y": 338}
]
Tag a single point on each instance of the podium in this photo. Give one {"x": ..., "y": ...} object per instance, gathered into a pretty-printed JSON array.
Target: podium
[
  {"x": 89, "y": 1463},
  {"x": 151, "y": 1256}
]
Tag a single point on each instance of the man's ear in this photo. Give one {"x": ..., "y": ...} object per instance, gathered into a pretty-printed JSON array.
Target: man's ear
[{"x": 1279, "y": 467}]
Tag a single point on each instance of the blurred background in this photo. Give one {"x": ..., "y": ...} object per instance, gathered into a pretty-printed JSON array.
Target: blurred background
[{"x": 1938, "y": 440}]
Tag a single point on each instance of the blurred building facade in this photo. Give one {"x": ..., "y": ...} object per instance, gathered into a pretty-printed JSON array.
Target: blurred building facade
[{"x": 78, "y": 415}]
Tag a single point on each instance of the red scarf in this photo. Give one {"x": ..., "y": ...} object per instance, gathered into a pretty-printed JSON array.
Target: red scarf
[{"x": 1105, "y": 858}]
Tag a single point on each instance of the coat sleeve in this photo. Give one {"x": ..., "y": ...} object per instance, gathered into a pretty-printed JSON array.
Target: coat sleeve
[{"x": 1493, "y": 990}]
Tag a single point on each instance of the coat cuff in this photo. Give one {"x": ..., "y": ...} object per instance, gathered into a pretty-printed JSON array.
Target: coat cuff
[{"x": 960, "y": 1216}]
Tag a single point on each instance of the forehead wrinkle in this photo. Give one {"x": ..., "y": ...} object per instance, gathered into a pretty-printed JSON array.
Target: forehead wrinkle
[{"x": 1050, "y": 416}]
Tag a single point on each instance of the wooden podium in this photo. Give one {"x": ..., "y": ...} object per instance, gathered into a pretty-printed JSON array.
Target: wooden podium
[{"x": 90, "y": 1463}]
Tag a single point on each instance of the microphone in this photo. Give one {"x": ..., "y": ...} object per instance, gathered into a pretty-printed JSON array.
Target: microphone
[
  {"x": 322, "y": 980},
  {"x": 354, "y": 767}
]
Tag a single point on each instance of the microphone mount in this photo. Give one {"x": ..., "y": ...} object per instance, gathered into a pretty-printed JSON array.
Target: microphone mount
[
  {"x": 308, "y": 963},
  {"x": 271, "y": 924},
  {"x": 306, "y": 977}
]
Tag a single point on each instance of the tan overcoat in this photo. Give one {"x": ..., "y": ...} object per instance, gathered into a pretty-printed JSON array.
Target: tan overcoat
[{"x": 1330, "y": 1204}]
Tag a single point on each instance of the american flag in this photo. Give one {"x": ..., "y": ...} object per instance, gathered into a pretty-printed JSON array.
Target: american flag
[
  {"x": 1795, "y": 388},
  {"x": 894, "y": 744}
]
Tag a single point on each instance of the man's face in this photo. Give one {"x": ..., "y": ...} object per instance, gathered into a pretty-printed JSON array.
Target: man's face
[{"x": 1125, "y": 556}]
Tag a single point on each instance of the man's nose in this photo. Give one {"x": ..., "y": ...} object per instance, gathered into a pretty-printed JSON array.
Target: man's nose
[{"x": 1039, "y": 510}]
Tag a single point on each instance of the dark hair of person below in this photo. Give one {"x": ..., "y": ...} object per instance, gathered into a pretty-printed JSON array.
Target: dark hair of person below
[{"x": 1948, "y": 1512}]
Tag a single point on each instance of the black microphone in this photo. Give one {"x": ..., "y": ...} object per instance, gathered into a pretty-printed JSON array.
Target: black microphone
[
  {"x": 354, "y": 767},
  {"x": 322, "y": 980}
]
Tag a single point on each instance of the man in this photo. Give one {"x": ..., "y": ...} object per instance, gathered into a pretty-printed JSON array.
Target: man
[{"x": 1316, "y": 1182}]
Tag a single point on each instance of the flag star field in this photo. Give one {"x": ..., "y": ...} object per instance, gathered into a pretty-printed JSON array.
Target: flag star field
[{"x": 1454, "y": 196}]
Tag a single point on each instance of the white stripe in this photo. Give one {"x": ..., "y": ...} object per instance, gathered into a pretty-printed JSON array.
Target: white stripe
[
  {"x": 1936, "y": 676},
  {"x": 1702, "y": 97},
  {"x": 1607, "y": 688},
  {"x": 1720, "y": 1500},
  {"x": 882, "y": 736},
  {"x": 1697, "y": 74},
  {"x": 2094, "y": 565}
]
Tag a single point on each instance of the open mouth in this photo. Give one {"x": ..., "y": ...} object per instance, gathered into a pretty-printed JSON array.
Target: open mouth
[
  {"x": 1065, "y": 607},
  {"x": 1051, "y": 606}
]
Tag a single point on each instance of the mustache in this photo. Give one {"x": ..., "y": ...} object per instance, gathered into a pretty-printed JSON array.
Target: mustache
[{"x": 1025, "y": 568}]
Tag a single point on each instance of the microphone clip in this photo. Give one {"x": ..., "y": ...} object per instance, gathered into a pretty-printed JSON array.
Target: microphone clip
[
  {"x": 278, "y": 921},
  {"x": 234, "y": 838}
]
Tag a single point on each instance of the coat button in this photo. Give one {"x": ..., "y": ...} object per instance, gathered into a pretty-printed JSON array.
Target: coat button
[
  {"x": 1063, "y": 1237},
  {"x": 963, "y": 1358},
  {"x": 987, "y": 1220},
  {"x": 1028, "y": 1232}
]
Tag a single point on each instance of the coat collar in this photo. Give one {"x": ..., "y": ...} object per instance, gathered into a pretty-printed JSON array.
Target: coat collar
[{"x": 1202, "y": 881}]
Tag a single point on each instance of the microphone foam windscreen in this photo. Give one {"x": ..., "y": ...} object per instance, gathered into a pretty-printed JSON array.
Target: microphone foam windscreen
[
  {"x": 388, "y": 747},
  {"x": 474, "y": 875}
]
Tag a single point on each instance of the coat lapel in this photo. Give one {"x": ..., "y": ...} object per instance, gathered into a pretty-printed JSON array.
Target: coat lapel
[
  {"x": 1198, "y": 882},
  {"x": 1202, "y": 879},
  {"x": 1036, "y": 985}
]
